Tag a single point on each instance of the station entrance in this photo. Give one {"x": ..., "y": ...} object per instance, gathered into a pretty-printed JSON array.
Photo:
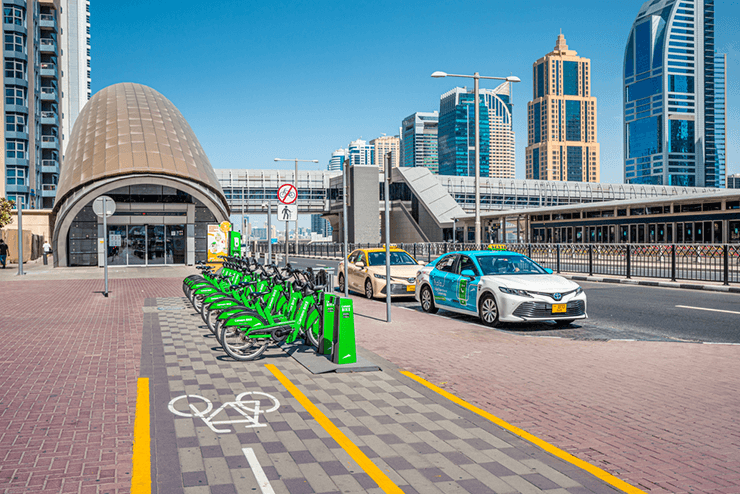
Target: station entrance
[{"x": 146, "y": 245}]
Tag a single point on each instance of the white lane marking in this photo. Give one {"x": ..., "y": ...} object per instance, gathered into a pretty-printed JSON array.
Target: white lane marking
[
  {"x": 259, "y": 474},
  {"x": 709, "y": 310}
]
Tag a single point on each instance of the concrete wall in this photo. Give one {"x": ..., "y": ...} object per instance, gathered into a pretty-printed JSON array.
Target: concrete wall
[
  {"x": 403, "y": 227},
  {"x": 35, "y": 221},
  {"x": 32, "y": 245}
]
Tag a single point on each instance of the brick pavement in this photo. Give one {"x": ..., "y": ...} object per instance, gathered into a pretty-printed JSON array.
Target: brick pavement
[
  {"x": 661, "y": 416},
  {"x": 70, "y": 360},
  {"x": 423, "y": 442}
]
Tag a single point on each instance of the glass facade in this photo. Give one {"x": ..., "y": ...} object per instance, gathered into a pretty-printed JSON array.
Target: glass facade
[
  {"x": 572, "y": 120},
  {"x": 457, "y": 134},
  {"x": 670, "y": 136},
  {"x": 575, "y": 163},
  {"x": 570, "y": 78}
]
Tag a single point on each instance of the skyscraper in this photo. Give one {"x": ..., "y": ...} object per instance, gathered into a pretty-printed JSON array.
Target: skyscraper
[
  {"x": 46, "y": 58},
  {"x": 336, "y": 163},
  {"x": 320, "y": 226},
  {"x": 384, "y": 145},
  {"x": 674, "y": 99},
  {"x": 562, "y": 119},
  {"x": 419, "y": 140},
  {"x": 361, "y": 153}
]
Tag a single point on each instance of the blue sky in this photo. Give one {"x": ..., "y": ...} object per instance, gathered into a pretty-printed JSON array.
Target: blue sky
[{"x": 260, "y": 80}]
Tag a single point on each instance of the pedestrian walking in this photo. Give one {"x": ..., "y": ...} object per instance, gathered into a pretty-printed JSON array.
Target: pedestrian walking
[
  {"x": 3, "y": 252},
  {"x": 47, "y": 251}
]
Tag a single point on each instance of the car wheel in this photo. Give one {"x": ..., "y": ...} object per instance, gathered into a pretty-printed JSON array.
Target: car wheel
[
  {"x": 368, "y": 288},
  {"x": 427, "y": 301},
  {"x": 341, "y": 283},
  {"x": 563, "y": 323},
  {"x": 488, "y": 310}
]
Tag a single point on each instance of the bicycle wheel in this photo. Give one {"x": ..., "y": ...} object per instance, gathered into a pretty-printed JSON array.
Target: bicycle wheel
[
  {"x": 238, "y": 346},
  {"x": 212, "y": 321},
  {"x": 197, "y": 302},
  {"x": 312, "y": 334}
]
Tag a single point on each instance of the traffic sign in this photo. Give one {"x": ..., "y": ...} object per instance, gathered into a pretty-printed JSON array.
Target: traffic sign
[
  {"x": 287, "y": 194},
  {"x": 287, "y": 212},
  {"x": 110, "y": 206}
]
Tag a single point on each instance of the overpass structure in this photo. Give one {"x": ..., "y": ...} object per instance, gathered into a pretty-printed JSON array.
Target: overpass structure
[{"x": 425, "y": 207}]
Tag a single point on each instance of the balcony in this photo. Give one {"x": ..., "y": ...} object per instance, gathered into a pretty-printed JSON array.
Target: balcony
[
  {"x": 48, "y": 69},
  {"x": 48, "y": 190},
  {"x": 49, "y": 118},
  {"x": 49, "y": 142},
  {"x": 48, "y": 94},
  {"x": 50, "y": 166},
  {"x": 47, "y": 45},
  {"x": 47, "y": 21}
]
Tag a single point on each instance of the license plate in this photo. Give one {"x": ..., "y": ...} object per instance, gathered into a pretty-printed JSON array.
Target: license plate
[
  {"x": 559, "y": 308},
  {"x": 410, "y": 288}
]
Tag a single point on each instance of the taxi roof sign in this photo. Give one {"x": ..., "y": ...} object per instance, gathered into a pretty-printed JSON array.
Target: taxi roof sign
[{"x": 497, "y": 247}]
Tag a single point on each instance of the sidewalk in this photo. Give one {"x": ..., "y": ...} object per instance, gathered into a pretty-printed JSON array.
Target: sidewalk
[{"x": 660, "y": 416}]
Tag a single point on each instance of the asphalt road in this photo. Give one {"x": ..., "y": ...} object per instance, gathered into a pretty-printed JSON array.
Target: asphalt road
[{"x": 625, "y": 312}]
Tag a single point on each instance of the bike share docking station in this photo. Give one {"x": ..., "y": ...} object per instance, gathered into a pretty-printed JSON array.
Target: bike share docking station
[{"x": 337, "y": 351}]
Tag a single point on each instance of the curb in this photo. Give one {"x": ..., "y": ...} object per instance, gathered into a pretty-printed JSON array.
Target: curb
[{"x": 661, "y": 284}]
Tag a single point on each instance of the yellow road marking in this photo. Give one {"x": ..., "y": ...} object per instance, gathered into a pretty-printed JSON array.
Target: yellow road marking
[
  {"x": 141, "y": 478},
  {"x": 594, "y": 470},
  {"x": 356, "y": 453}
]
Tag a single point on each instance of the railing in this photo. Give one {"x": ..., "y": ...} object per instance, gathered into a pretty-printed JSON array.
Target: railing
[
  {"x": 695, "y": 262},
  {"x": 49, "y": 163},
  {"x": 49, "y": 138},
  {"x": 48, "y": 90},
  {"x": 48, "y": 114},
  {"x": 47, "y": 41},
  {"x": 49, "y": 187},
  {"x": 46, "y": 17},
  {"x": 48, "y": 66}
]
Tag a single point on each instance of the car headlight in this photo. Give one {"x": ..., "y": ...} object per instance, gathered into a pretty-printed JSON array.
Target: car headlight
[
  {"x": 514, "y": 291},
  {"x": 380, "y": 276},
  {"x": 579, "y": 290}
]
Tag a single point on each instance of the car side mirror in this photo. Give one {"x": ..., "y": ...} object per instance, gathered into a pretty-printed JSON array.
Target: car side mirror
[
  {"x": 422, "y": 263},
  {"x": 360, "y": 264},
  {"x": 468, "y": 273},
  {"x": 548, "y": 270}
]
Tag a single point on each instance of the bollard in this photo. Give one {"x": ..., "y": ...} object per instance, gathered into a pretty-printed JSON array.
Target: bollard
[{"x": 326, "y": 325}]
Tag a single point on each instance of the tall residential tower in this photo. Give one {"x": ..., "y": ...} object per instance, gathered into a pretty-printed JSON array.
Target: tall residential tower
[
  {"x": 562, "y": 119},
  {"x": 674, "y": 97},
  {"x": 46, "y": 80},
  {"x": 419, "y": 140}
]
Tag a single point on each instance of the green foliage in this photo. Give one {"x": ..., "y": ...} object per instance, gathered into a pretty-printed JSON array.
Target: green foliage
[{"x": 5, "y": 207}]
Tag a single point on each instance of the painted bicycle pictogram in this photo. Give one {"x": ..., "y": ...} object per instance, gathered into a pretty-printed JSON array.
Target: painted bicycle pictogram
[{"x": 249, "y": 406}]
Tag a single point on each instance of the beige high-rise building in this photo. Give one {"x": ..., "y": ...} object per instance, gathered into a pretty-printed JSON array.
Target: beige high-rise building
[
  {"x": 562, "y": 119},
  {"x": 384, "y": 145}
]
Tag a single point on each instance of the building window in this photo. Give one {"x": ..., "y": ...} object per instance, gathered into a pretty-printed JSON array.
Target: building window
[
  {"x": 16, "y": 176},
  {"x": 15, "y": 42},
  {"x": 15, "y": 69},
  {"x": 15, "y": 122},
  {"x": 14, "y": 15},
  {"x": 682, "y": 136},
  {"x": 15, "y": 96},
  {"x": 15, "y": 149},
  {"x": 644, "y": 137},
  {"x": 573, "y": 120},
  {"x": 570, "y": 78}
]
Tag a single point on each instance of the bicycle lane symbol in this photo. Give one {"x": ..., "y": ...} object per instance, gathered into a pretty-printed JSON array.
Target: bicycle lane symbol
[{"x": 249, "y": 409}]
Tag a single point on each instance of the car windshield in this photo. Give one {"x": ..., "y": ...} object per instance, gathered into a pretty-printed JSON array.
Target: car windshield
[
  {"x": 398, "y": 258},
  {"x": 508, "y": 265}
]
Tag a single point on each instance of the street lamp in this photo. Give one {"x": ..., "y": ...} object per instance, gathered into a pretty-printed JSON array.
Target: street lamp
[
  {"x": 476, "y": 77},
  {"x": 296, "y": 202}
]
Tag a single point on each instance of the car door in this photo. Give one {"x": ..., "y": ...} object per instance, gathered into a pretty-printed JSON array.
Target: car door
[
  {"x": 350, "y": 266},
  {"x": 438, "y": 279},
  {"x": 465, "y": 288},
  {"x": 357, "y": 278}
]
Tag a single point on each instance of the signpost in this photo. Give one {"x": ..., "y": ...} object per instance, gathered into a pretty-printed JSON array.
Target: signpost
[
  {"x": 288, "y": 211},
  {"x": 105, "y": 206}
]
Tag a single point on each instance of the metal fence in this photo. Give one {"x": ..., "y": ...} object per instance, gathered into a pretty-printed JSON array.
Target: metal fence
[{"x": 715, "y": 263}]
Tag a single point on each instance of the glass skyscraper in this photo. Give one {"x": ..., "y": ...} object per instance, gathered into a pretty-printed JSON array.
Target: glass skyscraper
[
  {"x": 336, "y": 163},
  {"x": 456, "y": 134},
  {"x": 419, "y": 140},
  {"x": 361, "y": 153},
  {"x": 674, "y": 97}
]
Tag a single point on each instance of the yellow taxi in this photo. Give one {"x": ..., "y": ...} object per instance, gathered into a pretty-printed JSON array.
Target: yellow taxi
[{"x": 366, "y": 272}]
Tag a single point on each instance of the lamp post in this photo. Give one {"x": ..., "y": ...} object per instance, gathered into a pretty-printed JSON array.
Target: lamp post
[
  {"x": 476, "y": 77},
  {"x": 296, "y": 203}
]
